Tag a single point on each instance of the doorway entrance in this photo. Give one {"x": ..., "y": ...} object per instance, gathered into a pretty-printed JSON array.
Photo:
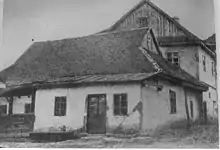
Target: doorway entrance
[{"x": 96, "y": 114}]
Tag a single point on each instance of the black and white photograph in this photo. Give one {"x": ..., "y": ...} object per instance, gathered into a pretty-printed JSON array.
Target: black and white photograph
[{"x": 108, "y": 74}]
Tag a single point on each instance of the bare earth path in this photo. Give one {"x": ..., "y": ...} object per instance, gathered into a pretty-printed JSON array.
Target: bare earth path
[{"x": 201, "y": 137}]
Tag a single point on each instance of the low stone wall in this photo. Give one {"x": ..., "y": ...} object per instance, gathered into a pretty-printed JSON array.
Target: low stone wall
[{"x": 17, "y": 123}]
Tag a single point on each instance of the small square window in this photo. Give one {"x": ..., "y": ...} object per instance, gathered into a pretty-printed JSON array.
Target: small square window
[
  {"x": 120, "y": 105},
  {"x": 143, "y": 22},
  {"x": 60, "y": 106},
  {"x": 173, "y": 57}
]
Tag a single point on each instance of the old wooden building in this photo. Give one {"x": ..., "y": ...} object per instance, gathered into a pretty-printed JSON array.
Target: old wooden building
[
  {"x": 178, "y": 45},
  {"x": 104, "y": 83}
]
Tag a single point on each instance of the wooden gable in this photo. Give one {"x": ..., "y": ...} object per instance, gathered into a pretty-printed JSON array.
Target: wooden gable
[
  {"x": 146, "y": 14},
  {"x": 150, "y": 43}
]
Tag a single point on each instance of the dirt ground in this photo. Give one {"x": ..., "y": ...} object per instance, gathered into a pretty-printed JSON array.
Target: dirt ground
[{"x": 196, "y": 137}]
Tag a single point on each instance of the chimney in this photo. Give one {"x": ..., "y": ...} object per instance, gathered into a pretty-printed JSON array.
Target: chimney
[{"x": 177, "y": 19}]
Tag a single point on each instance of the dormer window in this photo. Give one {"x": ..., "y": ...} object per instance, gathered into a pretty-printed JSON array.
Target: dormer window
[{"x": 143, "y": 22}]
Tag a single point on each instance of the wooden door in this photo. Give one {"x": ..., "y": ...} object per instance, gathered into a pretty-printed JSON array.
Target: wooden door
[{"x": 96, "y": 114}]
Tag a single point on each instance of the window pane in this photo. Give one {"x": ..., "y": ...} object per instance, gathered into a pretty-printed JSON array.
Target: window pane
[
  {"x": 124, "y": 111},
  {"x": 116, "y": 111},
  {"x": 60, "y": 106},
  {"x": 116, "y": 100},
  {"x": 169, "y": 55},
  {"x": 175, "y": 54}
]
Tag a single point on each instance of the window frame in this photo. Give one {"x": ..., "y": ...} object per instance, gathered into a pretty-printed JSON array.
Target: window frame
[
  {"x": 204, "y": 63},
  {"x": 173, "y": 57},
  {"x": 6, "y": 110},
  {"x": 173, "y": 106},
  {"x": 143, "y": 22},
  {"x": 213, "y": 68},
  {"x": 120, "y": 110},
  {"x": 29, "y": 106},
  {"x": 60, "y": 106}
]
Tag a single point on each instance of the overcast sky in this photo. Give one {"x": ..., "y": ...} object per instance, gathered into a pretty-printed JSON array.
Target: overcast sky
[{"x": 41, "y": 20}]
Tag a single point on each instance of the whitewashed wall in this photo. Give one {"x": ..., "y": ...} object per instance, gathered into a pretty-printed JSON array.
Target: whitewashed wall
[
  {"x": 19, "y": 104},
  {"x": 76, "y": 98},
  {"x": 156, "y": 105}
]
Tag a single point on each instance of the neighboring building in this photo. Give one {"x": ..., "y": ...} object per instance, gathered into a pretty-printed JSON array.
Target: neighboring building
[
  {"x": 211, "y": 42},
  {"x": 104, "y": 83},
  {"x": 178, "y": 45}
]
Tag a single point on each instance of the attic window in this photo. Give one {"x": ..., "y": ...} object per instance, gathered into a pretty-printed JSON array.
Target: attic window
[
  {"x": 173, "y": 57},
  {"x": 143, "y": 22}
]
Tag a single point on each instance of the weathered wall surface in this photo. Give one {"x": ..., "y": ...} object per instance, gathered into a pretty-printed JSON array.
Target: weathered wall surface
[
  {"x": 188, "y": 57},
  {"x": 18, "y": 104},
  {"x": 161, "y": 26},
  {"x": 76, "y": 99},
  {"x": 156, "y": 106},
  {"x": 206, "y": 76}
]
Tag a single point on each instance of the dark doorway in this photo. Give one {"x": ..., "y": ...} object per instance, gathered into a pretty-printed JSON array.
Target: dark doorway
[{"x": 96, "y": 114}]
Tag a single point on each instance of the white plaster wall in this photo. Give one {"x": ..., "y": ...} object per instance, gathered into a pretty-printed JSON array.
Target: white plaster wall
[
  {"x": 2, "y": 85},
  {"x": 76, "y": 98},
  {"x": 210, "y": 102},
  {"x": 19, "y": 104},
  {"x": 188, "y": 58},
  {"x": 3, "y": 101},
  {"x": 207, "y": 76},
  {"x": 157, "y": 106}
]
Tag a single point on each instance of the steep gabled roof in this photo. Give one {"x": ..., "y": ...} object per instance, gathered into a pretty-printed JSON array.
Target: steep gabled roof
[
  {"x": 109, "y": 57},
  {"x": 190, "y": 38},
  {"x": 148, "y": 2},
  {"x": 108, "y": 53}
]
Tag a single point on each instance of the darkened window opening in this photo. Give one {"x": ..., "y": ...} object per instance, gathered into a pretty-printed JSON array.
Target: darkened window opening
[
  {"x": 172, "y": 102},
  {"x": 209, "y": 94},
  {"x": 28, "y": 108},
  {"x": 191, "y": 107},
  {"x": 143, "y": 22},
  {"x": 3, "y": 109},
  {"x": 204, "y": 63},
  {"x": 120, "y": 105},
  {"x": 60, "y": 106},
  {"x": 173, "y": 57},
  {"x": 213, "y": 68}
]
